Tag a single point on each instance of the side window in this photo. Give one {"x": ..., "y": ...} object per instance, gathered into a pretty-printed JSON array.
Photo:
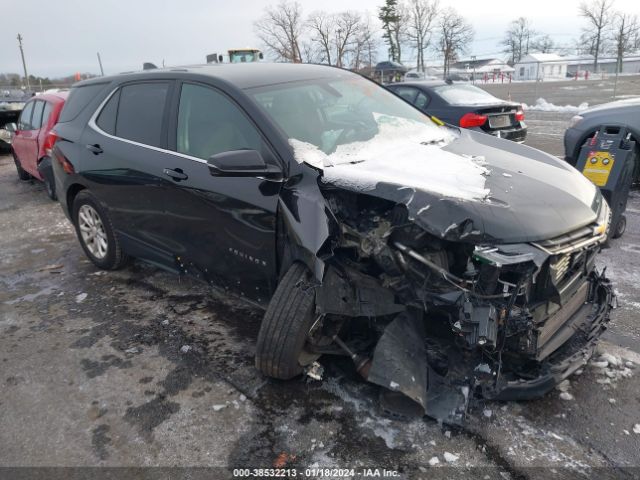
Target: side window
[
  {"x": 209, "y": 123},
  {"x": 36, "y": 119},
  {"x": 48, "y": 107},
  {"x": 421, "y": 101},
  {"x": 140, "y": 112},
  {"x": 79, "y": 97},
  {"x": 408, "y": 93},
  {"x": 24, "y": 123},
  {"x": 107, "y": 118}
]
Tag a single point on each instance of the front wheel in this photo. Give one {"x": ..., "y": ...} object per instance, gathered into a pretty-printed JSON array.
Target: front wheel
[
  {"x": 289, "y": 317},
  {"x": 96, "y": 233}
]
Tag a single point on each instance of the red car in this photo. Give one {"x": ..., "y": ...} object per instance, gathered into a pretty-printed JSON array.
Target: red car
[{"x": 31, "y": 144}]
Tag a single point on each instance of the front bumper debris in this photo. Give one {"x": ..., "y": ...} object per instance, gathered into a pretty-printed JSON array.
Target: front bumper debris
[{"x": 412, "y": 385}]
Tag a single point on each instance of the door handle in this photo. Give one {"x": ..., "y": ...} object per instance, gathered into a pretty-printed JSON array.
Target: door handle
[
  {"x": 95, "y": 149},
  {"x": 177, "y": 174}
]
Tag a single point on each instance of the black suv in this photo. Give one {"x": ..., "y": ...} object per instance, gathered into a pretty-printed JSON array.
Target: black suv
[{"x": 443, "y": 261}]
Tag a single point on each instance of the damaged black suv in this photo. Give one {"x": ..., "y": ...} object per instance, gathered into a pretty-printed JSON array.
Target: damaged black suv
[{"x": 448, "y": 264}]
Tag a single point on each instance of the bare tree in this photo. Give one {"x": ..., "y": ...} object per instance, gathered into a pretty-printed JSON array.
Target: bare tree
[
  {"x": 625, "y": 35},
  {"x": 543, "y": 44},
  {"x": 599, "y": 15},
  {"x": 455, "y": 33},
  {"x": 517, "y": 39},
  {"x": 366, "y": 46},
  {"x": 348, "y": 26},
  {"x": 322, "y": 26},
  {"x": 422, "y": 15},
  {"x": 336, "y": 35},
  {"x": 280, "y": 29}
]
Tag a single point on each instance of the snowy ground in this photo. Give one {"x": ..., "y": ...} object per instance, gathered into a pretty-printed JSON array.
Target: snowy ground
[{"x": 135, "y": 368}]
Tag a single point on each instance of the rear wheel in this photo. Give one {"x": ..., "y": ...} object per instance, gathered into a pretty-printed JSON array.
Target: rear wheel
[
  {"x": 96, "y": 233},
  {"x": 46, "y": 172},
  {"x": 280, "y": 351},
  {"x": 22, "y": 173}
]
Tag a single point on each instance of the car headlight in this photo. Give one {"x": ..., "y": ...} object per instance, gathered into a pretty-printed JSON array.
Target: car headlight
[{"x": 576, "y": 119}]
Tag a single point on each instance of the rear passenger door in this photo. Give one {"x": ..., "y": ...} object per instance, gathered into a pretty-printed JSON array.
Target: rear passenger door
[{"x": 125, "y": 155}]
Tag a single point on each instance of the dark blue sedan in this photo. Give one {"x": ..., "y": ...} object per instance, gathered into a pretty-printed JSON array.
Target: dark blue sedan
[{"x": 466, "y": 106}]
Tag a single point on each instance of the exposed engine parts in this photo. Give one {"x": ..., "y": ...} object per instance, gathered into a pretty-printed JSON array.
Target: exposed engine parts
[{"x": 498, "y": 316}]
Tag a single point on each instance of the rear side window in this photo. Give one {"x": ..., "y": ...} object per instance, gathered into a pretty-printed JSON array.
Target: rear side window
[
  {"x": 36, "y": 119},
  {"x": 25, "y": 117},
  {"x": 140, "y": 112},
  {"x": 421, "y": 100},
  {"x": 107, "y": 118},
  {"x": 78, "y": 99},
  {"x": 408, "y": 93},
  {"x": 48, "y": 107}
]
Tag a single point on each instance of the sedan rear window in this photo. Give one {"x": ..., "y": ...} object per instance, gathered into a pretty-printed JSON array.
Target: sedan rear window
[{"x": 464, "y": 95}]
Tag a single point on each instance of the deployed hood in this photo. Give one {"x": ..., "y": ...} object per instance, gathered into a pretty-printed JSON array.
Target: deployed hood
[{"x": 463, "y": 185}]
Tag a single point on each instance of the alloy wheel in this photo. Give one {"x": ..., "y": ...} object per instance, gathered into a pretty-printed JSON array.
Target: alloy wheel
[{"x": 92, "y": 231}]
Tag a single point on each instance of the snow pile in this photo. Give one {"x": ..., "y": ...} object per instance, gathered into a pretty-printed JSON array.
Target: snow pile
[
  {"x": 611, "y": 368},
  {"x": 405, "y": 153},
  {"x": 542, "y": 105}
]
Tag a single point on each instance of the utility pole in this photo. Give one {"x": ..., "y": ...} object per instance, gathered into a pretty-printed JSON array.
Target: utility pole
[
  {"x": 24, "y": 65},
  {"x": 100, "y": 63}
]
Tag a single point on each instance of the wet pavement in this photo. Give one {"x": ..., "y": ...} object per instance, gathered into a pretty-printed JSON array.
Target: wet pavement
[{"x": 142, "y": 368}]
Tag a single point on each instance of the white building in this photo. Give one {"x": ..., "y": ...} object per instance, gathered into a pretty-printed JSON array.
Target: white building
[{"x": 541, "y": 66}]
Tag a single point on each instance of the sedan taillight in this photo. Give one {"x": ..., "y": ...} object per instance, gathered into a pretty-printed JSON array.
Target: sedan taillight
[
  {"x": 520, "y": 115},
  {"x": 469, "y": 120}
]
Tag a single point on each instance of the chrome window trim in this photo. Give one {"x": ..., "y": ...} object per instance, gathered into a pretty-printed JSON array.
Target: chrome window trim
[{"x": 94, "y": 126}]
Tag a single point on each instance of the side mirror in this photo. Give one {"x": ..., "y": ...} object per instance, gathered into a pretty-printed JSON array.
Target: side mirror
[
  {"x": 242, "y": 163},
  {"x": 11, "y": 127}
]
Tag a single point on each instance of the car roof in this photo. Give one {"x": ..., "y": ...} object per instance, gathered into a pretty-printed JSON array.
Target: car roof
[
  {"x": 242, "y": 75},
  {"x": 421, "y": 83},
  {"x": 54, "y": 97}
]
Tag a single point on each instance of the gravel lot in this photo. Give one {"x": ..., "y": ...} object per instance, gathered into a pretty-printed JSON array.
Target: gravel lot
[{"x": 140, "y": 368}]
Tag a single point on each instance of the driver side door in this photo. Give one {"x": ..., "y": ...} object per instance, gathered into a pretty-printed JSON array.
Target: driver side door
[{"x": 220, "y": 228}]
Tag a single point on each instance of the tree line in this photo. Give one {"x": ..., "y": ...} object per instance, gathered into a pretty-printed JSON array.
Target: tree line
[
  {"x": 606, "y": 32},
  {"x": 347, "y": 39}
]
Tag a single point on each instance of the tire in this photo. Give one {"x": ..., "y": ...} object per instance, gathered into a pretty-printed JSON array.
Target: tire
[
  {"x": 50, "y": 188},
  {"x": 113, "y": 258},
  {"x": 22, "y": 173},
  {"x": 285, "y": 325},
  {"x": 46, "y": 172},
  {"x": 620, "y": 227}
]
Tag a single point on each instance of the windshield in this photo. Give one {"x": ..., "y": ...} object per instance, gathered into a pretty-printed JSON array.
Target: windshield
[
  {"x": 243, "y": 56},
  {"x": 328, "y": 113},
  {"x": 464, "y": 95}
]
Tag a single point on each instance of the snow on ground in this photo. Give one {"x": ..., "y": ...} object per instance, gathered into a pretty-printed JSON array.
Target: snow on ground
[{"x": 542, "y": 105}]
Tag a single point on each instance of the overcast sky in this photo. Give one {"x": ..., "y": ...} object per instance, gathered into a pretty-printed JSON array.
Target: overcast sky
[{"x": 63, "y": 37}]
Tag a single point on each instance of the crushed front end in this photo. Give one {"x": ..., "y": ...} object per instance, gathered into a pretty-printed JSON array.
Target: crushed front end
[{"x": 444, "y": 322}]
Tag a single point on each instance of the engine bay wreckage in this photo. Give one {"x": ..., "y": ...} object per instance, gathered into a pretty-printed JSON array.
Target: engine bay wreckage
[{"x": 472, "y": 280}]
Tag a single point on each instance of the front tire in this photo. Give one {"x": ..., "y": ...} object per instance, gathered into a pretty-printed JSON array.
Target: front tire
[
  {"x": 286, "y": 324},
  {"x": 96, "y": 233}
]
